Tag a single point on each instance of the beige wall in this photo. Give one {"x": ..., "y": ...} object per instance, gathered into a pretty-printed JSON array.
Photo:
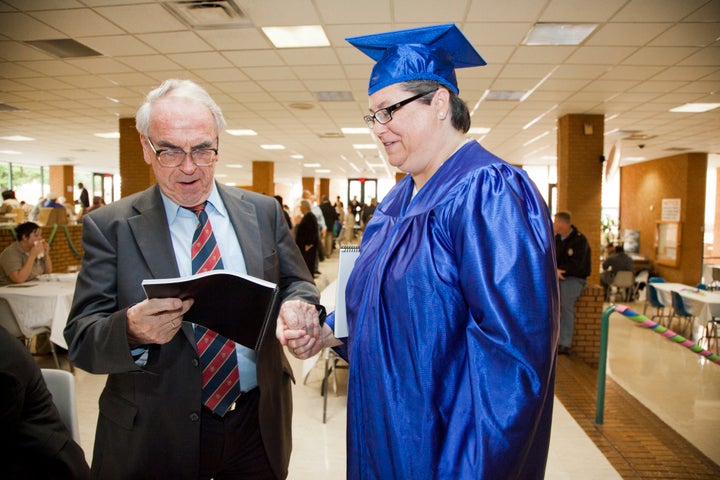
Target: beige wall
[{"x": 643, "y": 187}]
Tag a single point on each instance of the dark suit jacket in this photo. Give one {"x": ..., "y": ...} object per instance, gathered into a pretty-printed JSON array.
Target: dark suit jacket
[
  {"x": 34, "y": 443},
  {"x": 149, "y": 423}
]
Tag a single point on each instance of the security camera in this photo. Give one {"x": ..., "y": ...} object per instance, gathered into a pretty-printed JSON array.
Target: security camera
[{"x": 642, "y": 145}]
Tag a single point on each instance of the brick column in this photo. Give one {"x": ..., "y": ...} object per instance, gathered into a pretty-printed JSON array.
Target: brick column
[
  {"x": 588, "y": 316},
  {"x": 263, "y": 175},
  {"x": 308, "y": 183},
  {"x": 61, "y": 181},
  {"x": 579, "y": 177},
  {"x": 135, "y": 174}
]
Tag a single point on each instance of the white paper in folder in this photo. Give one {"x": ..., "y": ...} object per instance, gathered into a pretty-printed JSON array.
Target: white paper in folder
[{"x": 348, "y": 255}]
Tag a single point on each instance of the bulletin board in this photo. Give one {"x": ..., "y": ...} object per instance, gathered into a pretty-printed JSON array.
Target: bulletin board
[{"x": 667, "y": 243}]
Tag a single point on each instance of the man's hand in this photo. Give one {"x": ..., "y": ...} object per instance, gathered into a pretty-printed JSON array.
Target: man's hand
[
  {"x": 298, "y": 327},
  {"x": 156, "y": 320},
  {"x": 561, "y": 274}
]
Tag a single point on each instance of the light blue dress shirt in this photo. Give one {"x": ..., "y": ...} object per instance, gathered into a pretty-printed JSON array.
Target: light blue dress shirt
[{"x": 182, "y": 224}]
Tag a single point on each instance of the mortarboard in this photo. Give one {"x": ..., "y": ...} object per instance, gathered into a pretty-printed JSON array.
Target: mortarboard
[{"x": 425, "y": 53}]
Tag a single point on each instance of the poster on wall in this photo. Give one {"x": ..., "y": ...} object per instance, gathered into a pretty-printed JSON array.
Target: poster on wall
[{"x": 670, "y": 210}]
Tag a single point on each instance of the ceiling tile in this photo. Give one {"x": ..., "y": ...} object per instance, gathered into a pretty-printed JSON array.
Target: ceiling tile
[{"x": 80, "y": 22}]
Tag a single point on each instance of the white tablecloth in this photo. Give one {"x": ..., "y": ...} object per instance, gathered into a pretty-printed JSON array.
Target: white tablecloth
[
  {"x": 702, "y": 304},
  {"x": 44, "y": 302}
]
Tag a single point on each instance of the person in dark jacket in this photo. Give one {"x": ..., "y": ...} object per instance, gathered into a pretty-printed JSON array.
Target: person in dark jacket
[
  {"x": 307, "y": 236},
  {"x": 573, "y": 261},
  {"x": 330, "y": 216},
  {"x": 34, "y": 442},
  {"x": 618, "y": 261}
]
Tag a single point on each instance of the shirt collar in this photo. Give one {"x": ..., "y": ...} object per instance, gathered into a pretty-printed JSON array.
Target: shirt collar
[{"x": 172, "y": 209}]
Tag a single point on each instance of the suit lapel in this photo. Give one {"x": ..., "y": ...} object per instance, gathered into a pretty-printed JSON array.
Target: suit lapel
[{"x": 244, "y": 220}]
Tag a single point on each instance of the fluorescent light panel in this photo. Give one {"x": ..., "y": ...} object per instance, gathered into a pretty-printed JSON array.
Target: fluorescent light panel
[
  {"x": 695, "y": 107},
  {"x": 18, "y": 138},
  {"x": 108, "y": 135},
  {"x": 355, "y": 131},
  {"x": 364, "y": 146},
  {"x": 241, "y": 132},
  {"x": 559, "y": 33},
  {"x": 296, "y": 37},
  {"x": 273, "y": 147}
]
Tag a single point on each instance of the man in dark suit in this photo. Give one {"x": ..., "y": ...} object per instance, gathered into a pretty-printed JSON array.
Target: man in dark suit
[
  {"x": 152, "y": 422},
  {"x": 34, "y": 443}
]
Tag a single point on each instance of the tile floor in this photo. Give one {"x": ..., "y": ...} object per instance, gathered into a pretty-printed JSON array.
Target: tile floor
[{"x": 662, "y": 412}]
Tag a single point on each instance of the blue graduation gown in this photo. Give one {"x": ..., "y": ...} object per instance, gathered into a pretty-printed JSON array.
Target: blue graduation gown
[{"x": 453, "y": 322}]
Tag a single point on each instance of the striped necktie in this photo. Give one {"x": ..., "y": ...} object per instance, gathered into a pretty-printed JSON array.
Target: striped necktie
[{"x": 220, "y": 375}]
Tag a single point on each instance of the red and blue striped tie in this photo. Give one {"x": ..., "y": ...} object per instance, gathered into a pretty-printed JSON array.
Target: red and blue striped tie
[{"x": 220, "y": 376}]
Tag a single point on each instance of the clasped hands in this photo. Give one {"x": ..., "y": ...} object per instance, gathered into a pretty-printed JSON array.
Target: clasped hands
[{"x": 298, "y": 328}]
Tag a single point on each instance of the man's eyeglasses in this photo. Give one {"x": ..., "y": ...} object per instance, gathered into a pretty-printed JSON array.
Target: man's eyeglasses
[
  {"x": 384, "y": 115},
  {"x": 174, "y": 157}
]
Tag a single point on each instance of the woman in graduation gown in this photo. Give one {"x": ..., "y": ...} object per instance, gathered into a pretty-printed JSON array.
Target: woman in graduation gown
[{"x": 452, "y": 305}]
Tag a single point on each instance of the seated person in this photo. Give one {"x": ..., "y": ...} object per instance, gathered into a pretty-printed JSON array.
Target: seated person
[
  {"x": 615, "y": 262},
  {"x": 34, "y": 441},
  {"x": 52, "y": 202},
  {"x": 26, "y": 258}
]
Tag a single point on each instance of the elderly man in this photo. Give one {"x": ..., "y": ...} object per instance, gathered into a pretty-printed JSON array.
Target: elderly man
[{"x": 158, "y": 418}]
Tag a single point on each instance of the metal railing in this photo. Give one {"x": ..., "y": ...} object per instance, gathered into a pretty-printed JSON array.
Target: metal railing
[{"x": 643, "y": 321}]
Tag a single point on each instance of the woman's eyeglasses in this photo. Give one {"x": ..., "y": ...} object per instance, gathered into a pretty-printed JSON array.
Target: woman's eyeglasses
[{"x": 384, "y": 115}]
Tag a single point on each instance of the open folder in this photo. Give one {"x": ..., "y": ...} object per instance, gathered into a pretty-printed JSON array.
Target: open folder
[{"x": 239, "y": 307}]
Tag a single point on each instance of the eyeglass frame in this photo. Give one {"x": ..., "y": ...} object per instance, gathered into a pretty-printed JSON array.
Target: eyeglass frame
[
  {"x": 371, "y": 119},
  {"x": 163, "y": 150}
]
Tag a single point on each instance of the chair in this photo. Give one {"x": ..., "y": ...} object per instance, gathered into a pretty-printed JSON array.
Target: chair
[
  {"x": 641, "y": 280},
  {"x": 61, "y": 385},
  {"x": 51, "y": 216},
  {"x": 715, "y": 284},
  {"x": 712, "y": 334},
  {"x": 9, "y": 320},
  {"x": 701, "y": 286},
  {"x": 656, "y": 280},
  {"x": 653, "y": 301},
  {"x": 623, "y": 281},
  {"x": 681, "y": 312},
  {"x": 331, "y": 366}
]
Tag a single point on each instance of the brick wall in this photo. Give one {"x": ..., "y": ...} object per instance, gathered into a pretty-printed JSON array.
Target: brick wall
[
  {"x": 588, "y": 316},
  {"x": 61, "y": 249}
]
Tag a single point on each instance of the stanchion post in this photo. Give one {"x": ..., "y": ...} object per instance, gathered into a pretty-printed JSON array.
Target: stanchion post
[{"x": 602, "y": 365}]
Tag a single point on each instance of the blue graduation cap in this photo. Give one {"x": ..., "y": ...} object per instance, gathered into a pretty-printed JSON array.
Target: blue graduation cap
[{"x": 425, "y": 53}]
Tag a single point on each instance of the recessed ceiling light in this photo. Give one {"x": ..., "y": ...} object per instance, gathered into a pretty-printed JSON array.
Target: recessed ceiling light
[
  {"x": 633, "y": 159},
  {"x": 364, "y": 146},
  {"x": 273, "y": 147},
  {"x": 18, "y": 138},
  {"x": 234, "y": 165},
  {"x": 559, "y": 33},
  {"x": 297, "y": 156},
  {"x": 323, "y": 170},
  {"x": 695, "y": 107},
  {"x": 311, "y": 165},
  {"x": 295, "y": 37},
  {"x": 220, "y": 175},
  {"x": 108, "y": 135},
  {"x": 241, "y": 132},
  {"x": 355, "y": 131},
  {"x": 10, "y": 152}
]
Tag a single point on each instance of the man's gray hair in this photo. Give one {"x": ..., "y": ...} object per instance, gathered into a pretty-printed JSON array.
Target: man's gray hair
[{"x": 177, "y": 88}]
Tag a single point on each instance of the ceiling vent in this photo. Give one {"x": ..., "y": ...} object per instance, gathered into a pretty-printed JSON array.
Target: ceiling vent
[
  {"x": 505, "y": 96},
  {"x": 64, "y": 48},
  {"x": 331, "y": 135},
  {"x": 4, "y": 107},
  {"x": 207, "y": 14},
  {"x": 334, "y": 96}
]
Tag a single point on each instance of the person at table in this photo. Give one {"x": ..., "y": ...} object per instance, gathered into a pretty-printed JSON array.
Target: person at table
[
  {"x": 452, "y": 305},
  {"x": 34, "y": 442},
  {"x": 27, "y": 258},
  {"x": 618, "y": 261},
  {"x": 153, "y": 422},
  {"x": 573, "y": 268},
  {"x": 52, "y": 201}
]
